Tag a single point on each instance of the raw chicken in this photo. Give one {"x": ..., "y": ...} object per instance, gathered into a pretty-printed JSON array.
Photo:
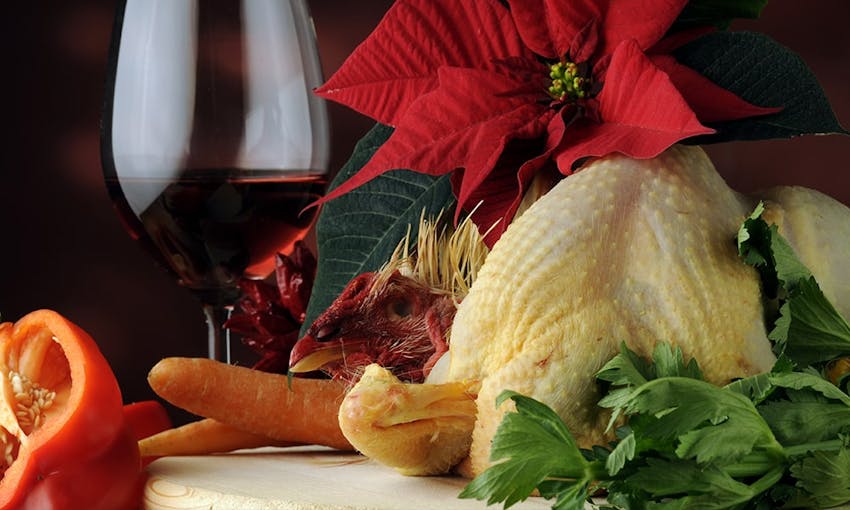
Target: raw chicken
[
  {"x": 399, "y": 316},
  {"x": 397, "y": 322},
  {"x": 635, "y": 251}
]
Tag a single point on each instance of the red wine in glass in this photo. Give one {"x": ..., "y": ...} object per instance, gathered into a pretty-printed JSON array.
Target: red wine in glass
[
  {"x": 211, "y": 232},
  {"x": 213, "y": 145}
]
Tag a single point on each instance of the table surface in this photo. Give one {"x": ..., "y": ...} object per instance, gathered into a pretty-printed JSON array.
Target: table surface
[{"x": 302, "y": 478}]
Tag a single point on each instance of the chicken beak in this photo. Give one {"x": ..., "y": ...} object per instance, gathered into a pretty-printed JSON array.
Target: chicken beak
[
  {"x": 316, "y": 360},
  {"x": 308, "y": 354}
]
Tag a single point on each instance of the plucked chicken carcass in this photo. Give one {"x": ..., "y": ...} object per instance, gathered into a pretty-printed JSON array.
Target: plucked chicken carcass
[{"x": 634, "y": 251}]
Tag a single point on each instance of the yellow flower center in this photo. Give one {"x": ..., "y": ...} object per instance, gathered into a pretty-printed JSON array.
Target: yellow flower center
[{"x": 567, "y": 82}]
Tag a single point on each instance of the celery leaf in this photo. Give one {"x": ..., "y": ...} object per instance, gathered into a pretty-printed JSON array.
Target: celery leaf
[
  {"x": 531, "y": 446},
  {"x": 808, "y": 329},
  {"x": 826, "y": 476}
]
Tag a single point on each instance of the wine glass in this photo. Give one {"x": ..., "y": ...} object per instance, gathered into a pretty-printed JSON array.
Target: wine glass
[{"x": 212, "y": 142}]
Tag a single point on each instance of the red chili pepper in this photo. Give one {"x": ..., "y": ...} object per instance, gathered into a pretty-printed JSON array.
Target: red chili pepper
[
  {"x": 67, "y": 442},
  {"x": 146, "y": 418}
]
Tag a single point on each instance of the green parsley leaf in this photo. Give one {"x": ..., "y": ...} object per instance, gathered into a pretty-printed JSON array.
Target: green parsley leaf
[
  {"x": 623, "y": 452},
  {"x": 756, "y": 388},
  {"x": 702, "y": 486},
  {"x": 533, "y": 448},
  {"x": 627, "y": 370},
  {"x": 826, "y": 476},
  {"x": 796, "y": 423},
  {"x": 809, "y": 410},
  {"x": 808, "y": 329},
  {"x": 817, "y": 332},
  {"x": 809, "y": 380},
  {"x": 670, "y": 362},
  {"x": 710, "y": 423}
]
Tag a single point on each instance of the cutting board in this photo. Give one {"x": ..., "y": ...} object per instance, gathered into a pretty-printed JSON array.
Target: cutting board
[{"x": 301, "y": 478}]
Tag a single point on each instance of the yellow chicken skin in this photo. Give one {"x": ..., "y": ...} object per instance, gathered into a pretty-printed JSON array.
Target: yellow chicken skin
[
  {"x": 634, "y": 251},
  {"x": 419, "y": 429}
]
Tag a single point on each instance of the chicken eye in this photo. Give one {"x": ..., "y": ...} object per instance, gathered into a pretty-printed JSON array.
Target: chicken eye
[
  {"x": 325, "y": 333},
  {"x": 399, "y": 309}
]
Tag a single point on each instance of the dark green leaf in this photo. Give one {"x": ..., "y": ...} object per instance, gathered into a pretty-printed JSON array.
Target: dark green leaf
[
  {"x": 761, "y": 246},
  {"x": 670, "y": 362},
  {"x": 567, "y": 495},
  {"x": 817, "y": 332},
  {"x": 530, "y": 446},
  {"x": 624, "y": 496},
  {"x": 783, "y": 365},
  {"x": 756, "y": 387},
  {"x": 718, "y": 13},
  {"x": 808, "y": 328},
  {"x": 795, "y": 423},
  {"x": 826, "y": 476},
  {"x": 765, "y": 73},
  {"x": 781, "y": 326},
  {"x": 623, "y": 452},
  {"x": 789, "y": 270},
  {"x": 754, "y": 247},
  {"x": 805, "y": 380},
  {"x": 627, "y": 370},
  {"x": 358, "y": 231},
  {"x": 711, "y": 424},
  {"x": 709, "y": 486}
]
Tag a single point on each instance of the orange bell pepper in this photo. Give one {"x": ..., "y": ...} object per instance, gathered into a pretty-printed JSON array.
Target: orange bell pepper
[{"x": 67, "y": 442}]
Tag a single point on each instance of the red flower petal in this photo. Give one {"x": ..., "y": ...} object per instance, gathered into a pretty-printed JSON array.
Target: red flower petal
[
  {"x": 496, "y": 200},
  {"x": 495, "y": 203},
  {"x": 709, "y": 101},
  {"x": 673, "y": 42},
  {"x": 398, "y": 63},
  {"x": 554, "y": 29},
  {"x": 465, "y": 122},
  {"x": 645, "y": 21},
  {"x": 583, "y": 29},
  {"x": 641, "y": 113}
]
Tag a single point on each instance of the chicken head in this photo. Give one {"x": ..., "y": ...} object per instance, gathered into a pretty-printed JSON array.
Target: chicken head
[{"x": 398, "y": 322}]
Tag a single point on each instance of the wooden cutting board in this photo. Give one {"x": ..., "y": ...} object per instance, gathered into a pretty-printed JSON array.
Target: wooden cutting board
[{"x": 303, "y": 478}]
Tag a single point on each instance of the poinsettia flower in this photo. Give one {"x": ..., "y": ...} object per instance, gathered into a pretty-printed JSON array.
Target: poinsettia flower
[{"x": 495, "y": 93}]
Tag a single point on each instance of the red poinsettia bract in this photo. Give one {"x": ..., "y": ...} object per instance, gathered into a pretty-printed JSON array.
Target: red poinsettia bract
[{"x": 494, "y": 93}]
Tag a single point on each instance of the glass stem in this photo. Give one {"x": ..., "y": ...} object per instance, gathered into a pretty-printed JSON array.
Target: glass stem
[{"x": 218, "y": 338}]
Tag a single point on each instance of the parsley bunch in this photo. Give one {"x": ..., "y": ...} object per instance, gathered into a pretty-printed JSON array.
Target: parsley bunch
[{"x": 779, "y": 439}]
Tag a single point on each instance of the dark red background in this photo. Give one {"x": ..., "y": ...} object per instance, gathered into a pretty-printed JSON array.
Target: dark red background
[{"x": 62, "y": 246}]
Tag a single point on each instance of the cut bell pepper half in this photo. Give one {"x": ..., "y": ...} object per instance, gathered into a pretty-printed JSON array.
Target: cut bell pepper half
[{"x": 66, "y": 442}]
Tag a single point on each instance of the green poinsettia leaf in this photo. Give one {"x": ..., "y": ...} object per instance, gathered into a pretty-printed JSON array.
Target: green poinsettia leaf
[
  {"x": 718, "y": 13},
  {"x": 358, "y": 231},
  {"x": 765, "y": 73}
]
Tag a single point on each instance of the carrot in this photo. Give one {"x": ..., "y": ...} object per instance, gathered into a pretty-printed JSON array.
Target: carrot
[
  {"x": 254, "y": 401},
  {"x": 202, "y": 437}
]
